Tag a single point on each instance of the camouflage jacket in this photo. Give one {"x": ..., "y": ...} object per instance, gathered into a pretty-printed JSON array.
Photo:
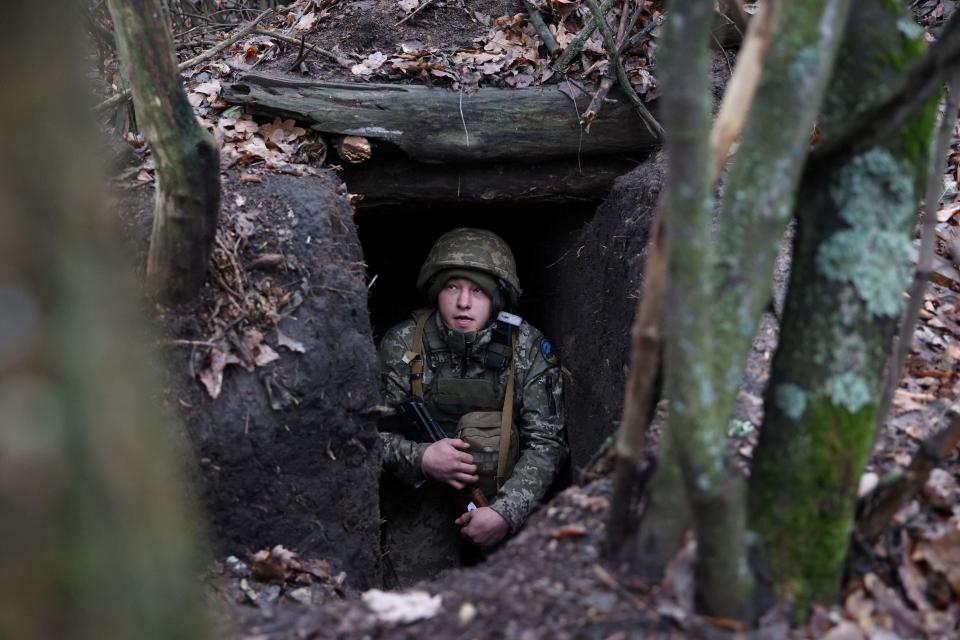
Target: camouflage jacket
[{"x": 538, "y": 405}]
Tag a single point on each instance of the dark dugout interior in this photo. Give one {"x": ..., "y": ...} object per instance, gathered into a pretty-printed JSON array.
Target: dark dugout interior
[
  {"x": 580, "y": 263},
  {"x": 396, "y": 240}
]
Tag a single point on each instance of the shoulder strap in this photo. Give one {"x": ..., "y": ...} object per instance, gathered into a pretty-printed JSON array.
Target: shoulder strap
[
  {"x": 506, "y": 420},
  {"x": 415, "y": 356}
]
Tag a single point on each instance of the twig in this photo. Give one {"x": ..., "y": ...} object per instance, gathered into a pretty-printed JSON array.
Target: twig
[
  {"x": 604, "y": 576},
  {"x": 576, "y": 46},
  {"x": 928, "y": 241},
  {"x": 743, "y": 84},
  {"x": 640, "y": 392},
  {"x": 422, "y": 6},
  {"x": 534, "y": 17},
  {"x": 623, "y": 33},
  {"x": 301, "y": 55},
  {"x": 339, "y": 59},
  {"x": 206, "y": 55},
  {"x": 598, "y": 99},
  {"x": 641, "y": 35},
  {"x": 652, "y": 125},
  {"x": 878, "y": 507},
  {"x": 623, "y": 21},
  {"x": 601, "y": 95}
]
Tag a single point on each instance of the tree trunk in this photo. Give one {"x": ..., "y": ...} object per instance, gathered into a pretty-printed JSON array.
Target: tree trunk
[
  {"x": 723, "y": 586},
  {"x": 851, "y": 265},
  {"x": 186, "y": 156},
  {"x": 437, "y": 125},
  {"x": 725, "y": 290},
  {"x": 97, "y": 538}
]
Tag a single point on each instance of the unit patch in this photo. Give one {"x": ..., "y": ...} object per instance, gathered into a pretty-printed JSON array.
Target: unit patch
[{"x": 546, "y": 350}]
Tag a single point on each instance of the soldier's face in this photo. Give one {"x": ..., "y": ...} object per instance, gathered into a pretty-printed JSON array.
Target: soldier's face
[{"x": 463, "y": 305}]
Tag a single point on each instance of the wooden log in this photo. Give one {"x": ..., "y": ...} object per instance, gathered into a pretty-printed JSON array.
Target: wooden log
[
  {"x": 392, "y": 180},
  {"x": 439, "y": 125}
]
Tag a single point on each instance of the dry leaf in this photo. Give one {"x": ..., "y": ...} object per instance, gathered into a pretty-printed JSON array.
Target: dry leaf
[
  {"x": 948, "y": 211},
  {"x": 846, "y": 630},
  {"x": 943, "y": 555},
  {"x": 284, "y": 340},
  {"x": 209, "y": 89}
]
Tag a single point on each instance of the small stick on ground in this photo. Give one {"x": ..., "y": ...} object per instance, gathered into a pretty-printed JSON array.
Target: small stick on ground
[
  {"x": 599, "y": 97},
  {"x": 576, "y": 46},
  {"x": 613, "y": 51},
  {"x": 637, "y": 38},
  {"x": 206, "y": 55},
  {"x": 535, "y": 19},
  {"x": 878, "y": 507},
  {"x": 928, "y": 241},
  {"x": 343, "y": 61},
  {"x": 423, "y": 6}
]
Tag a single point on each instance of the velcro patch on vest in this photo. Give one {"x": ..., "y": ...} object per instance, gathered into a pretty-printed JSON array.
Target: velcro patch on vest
[{"x": 546, "y": 350}]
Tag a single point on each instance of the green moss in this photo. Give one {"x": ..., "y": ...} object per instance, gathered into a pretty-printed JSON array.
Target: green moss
[
  {"x": 809, "y": 502},
  {"x": 916, "y": 136}
]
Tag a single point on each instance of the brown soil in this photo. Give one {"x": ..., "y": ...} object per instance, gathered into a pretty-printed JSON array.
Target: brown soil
[{"x": 288, "y": 450}]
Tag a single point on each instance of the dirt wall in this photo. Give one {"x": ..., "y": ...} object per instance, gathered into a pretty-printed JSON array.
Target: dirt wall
[
  {"x": 600, "y": 281},
  {"x": 289, "y": 451}
]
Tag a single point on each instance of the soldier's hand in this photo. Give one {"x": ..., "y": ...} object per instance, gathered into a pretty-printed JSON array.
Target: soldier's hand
[
  {"x": 483, "y": 527},
  {"x": 448, "y": 462}
]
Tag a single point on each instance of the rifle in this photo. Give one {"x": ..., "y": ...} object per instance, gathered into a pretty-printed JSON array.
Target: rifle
[{"x": 428, "y": 430}]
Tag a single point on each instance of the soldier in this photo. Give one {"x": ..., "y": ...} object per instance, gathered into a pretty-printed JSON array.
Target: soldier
[{"x": 483, "y": 373}]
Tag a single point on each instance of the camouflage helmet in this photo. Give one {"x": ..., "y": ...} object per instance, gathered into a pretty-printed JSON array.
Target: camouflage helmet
[{"x": 467, "y": 248}]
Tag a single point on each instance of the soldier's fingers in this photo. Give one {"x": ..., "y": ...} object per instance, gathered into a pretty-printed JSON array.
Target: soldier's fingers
[
  {"x": 465, "y": 457},
  {"x": 469, "y": 468},
  {"x": 455, "y": 484},
  {"x": 469, "y": 478},
  {"x": 458, "y": 443}
]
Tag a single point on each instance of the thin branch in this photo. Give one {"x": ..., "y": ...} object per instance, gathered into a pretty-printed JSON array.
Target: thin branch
[
  {"x": 652, "y": 125},
  {"x": 534, "y": 17},
  {"x": 339, "y": 59},
  {"x": 743, "y": 85},
  {"x": 598, "y": 99},
  {"x": 206, "y": 55},
  {"x": 576, "y": 46},
  {"x": 637, "y": 38},
  {"x": 422, "y": 6},
  {"x": 928, "y": 241},
  {"x": 640, "y": 393},
  {"x": 918, "y": 83},
  {"x": 623, "y": 21}
]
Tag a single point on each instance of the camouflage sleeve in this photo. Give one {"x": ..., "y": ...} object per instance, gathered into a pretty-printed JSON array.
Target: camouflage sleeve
[
  {"x": 543, "y": 448},
  {"x": 401, "y": 457}
]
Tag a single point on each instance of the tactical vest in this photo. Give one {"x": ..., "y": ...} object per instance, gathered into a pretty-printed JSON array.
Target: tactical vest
[{"x": 478, "y": 410}]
